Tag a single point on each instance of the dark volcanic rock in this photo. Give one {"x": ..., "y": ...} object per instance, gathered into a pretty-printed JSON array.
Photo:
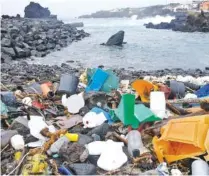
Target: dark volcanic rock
[
  {"x": 6, "y": 42},
  {"x": 5, "y": 58},
  {"x": 35, "y": 10},
  {"x": 20, "y": 52},
  {"x": 41, "y": 48},
  {"x": 36, "y": 37},
  {"x": 116, "y": 39},
  {"x": 8, "y": 51}
]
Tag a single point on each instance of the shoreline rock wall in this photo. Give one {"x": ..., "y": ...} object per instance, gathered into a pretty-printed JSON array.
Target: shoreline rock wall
[{"x": 24, "y": 37}]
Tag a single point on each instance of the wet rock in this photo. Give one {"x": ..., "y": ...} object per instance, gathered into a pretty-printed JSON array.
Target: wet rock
[
  {"x": 3, "y": 30},
  {"x": 42, "y": 35},
  {"x": 5, "y": 58},
  {"x": 71, "y": 152},
  {"x": 84, "y": 139},
  {"x": 93, "y": 159},
  {"x": 100, "y": 130},
  {"x": 41, "y": 48},
  {"x": 83, "y": 169},
  {"x": 14, "y": 30},
  {"x": 8, "y": 51},
  {"x": 20, "y": 52},
  {"x": 6, "y": 42},
  {"x": 51, "y": 45},
  {"x": 33, "y": 52},
  {"x": 116, "y": 39}
]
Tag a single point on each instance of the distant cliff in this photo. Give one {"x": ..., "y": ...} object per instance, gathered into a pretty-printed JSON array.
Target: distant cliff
[{"x": 141, "y": 12}]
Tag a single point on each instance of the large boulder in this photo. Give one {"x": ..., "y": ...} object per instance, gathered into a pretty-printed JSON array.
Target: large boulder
[
  {"x": 41, "y": 48},
  {"x": 5, "y": 58},
  {"x": 35, "y": 10},
  {"x": 6, "y": 42},
  {"x": 116, "y": 39},
  {"x": 20, "y": 52},
  {"x": 8, "y": 51}
]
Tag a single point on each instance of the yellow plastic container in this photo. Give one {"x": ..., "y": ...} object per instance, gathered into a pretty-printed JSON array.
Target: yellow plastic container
[
  {"x": 72, "y": 137},
  {"x": 143, "y": 88},
  {"x": 182, "y": 138},
  {"x": 207, "y": 146}
]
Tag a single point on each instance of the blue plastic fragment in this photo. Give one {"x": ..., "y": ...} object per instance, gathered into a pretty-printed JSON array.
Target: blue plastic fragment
[
  {"x": 106, "y": 114},
  {"x": 64, "y": 171},
  {"x": 97, "y": 80},
  {"x": 203, "y": 91}
]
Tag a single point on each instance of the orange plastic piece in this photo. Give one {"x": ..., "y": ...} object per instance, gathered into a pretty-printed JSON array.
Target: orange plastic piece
[
  {"x": 143, "y": 88},
  {"x": 182, "y": 138},
  {"x": 45, "y": 89}
]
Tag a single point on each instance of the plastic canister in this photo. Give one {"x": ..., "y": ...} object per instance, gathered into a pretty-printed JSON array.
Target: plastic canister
[
  {"x": 135, "y": 144},
  {"x": 200, "y": 167},
  {"x": 158, "y": 104},
  {"x": 177, "y": 88},
  {"x": 68, "y": 84}
]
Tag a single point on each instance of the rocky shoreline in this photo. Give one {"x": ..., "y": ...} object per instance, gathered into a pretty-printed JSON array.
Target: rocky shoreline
[
  {"x": 185, "y": 22},
  {"x": 24, "y": 37},
  {"x": 20, "y": 73}
]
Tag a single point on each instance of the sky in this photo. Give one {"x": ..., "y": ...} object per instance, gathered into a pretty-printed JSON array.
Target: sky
[{"x": 75, "y": 8}]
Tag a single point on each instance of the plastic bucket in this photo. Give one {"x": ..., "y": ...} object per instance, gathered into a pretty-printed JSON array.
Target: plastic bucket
[
  {"x": 177, "y": 89},
  {"x": 158, "y": 104},
  {"x": 68, "y": 84},
  {"x": 182, "y": 138}
]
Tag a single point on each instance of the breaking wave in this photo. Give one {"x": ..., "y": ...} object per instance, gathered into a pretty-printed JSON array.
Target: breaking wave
[{"x": 158, "y": 19}]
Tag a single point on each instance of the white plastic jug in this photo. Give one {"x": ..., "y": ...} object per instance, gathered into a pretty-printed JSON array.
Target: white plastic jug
[
  {"x": 200, "y": 167},
  {"x": 112, "y": 157},
  {"x": 74, "y": 103},
  {"x": 158, "y": 104}
]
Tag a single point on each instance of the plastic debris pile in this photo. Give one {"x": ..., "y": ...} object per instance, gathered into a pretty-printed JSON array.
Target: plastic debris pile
[{"x": 99, "y": 124}]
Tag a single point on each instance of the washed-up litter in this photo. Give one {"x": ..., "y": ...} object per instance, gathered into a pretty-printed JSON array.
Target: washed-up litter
[{"x": 97, "y": 124}]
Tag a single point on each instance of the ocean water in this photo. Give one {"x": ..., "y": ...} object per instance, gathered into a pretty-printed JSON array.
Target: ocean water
[{"x": 146, "y": 49}]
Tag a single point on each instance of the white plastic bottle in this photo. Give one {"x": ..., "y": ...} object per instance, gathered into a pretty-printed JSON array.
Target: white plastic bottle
[
  {"x": 135, "y": 144},
  {"x": 158, "y": 104},
  {"x": 200, "y": 167}
]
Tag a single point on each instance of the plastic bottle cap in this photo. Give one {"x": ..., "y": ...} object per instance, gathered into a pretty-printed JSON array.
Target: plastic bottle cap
[
  {"x": 72, "y": 137},
  {"x": 136, "y": 153},
  {"x": 18, "y": 155}
]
